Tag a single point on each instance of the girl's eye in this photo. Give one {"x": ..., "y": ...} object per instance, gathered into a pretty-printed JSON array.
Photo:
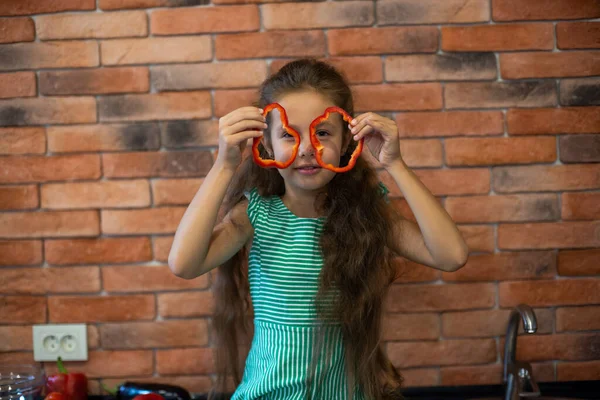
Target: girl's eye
[
  {"x": 322, "y": 133},
  {"x": 284, "y": 134}
]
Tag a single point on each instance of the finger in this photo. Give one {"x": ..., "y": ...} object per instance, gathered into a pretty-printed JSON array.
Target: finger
[
  {"x": 358, "y": 118},
  {"x": 241, "y": 114},
  {"x": 244, "y": 125},
  {"x": 366, "y": 130},
  {"x": 366, "y": 119}
]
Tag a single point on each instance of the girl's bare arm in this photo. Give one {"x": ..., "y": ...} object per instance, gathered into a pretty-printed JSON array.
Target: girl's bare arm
[{"x": 198, "y": 245}]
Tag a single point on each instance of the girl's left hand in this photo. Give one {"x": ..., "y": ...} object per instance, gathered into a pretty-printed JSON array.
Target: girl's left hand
[{"x": 381, "y": 136}]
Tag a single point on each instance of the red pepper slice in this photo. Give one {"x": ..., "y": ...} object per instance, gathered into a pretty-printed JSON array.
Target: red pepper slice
[
  {"x": 319, "y": 147},
  {"x": 284, "y": 120}
]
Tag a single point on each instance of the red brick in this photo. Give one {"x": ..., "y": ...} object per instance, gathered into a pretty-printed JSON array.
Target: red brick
[
  {"x": 454, "y": 181},
  {"x": 174, "y": 191},
  {"x": 104, "y": 194},
  {"x": 550, "y": 293},
  {"x": 578, "y": 35},
  {"x": 108, "y": 137},
  {"x": 153, "y": 220},
  {"x": 161, "y": 106},
  {"x": 510, "y": 10},
  {"x": 508, "y": 37},
  {"x": 25, "y": 7},
  {"x": 19, "y": 197},
  {"x": 500, "y": 208},
  {"x": 157, "y": 164},
  {"x": 17, "y": 30},
  {"x": 147, "y": 279},
  {"x": 106, "y": 364},
  {"x": 205, "y": 20},
  {"x": 395, "y": 12},
  {"x": 270, "y": 44},
  {"x": 578, "y": 319},
  {"x": 20, "y": 252},
  {"x": 566, "y": 120},
  {"x": 578, "y": 371},
  {"x": 579, "y": 262},
  {"x": 397, "y": 96},
  {"x": 49, "y": 224},
  {"x": 444, "y": 67},
  {"x": 387, "y": 40},
  {"x": 549, "y": 65},
  {"x": 479, "y": 238},
  {"x": 74, "y": 309},
  {"x": 16, "y": 310},
  {"x": 367, "y": 69},
  {"x": 161, "y": 246},
  {"x": 101, "y": 250},
  {"x": 579, "y": 92},
  {"x": 490, "y": 151},
  {"x": 410, "y": 327},
  {"x": 156, "y": 50},
  {"x": 59, "y": 54},
  {"x": 317, "y": 15},
  {"x": 418, "y": 377},
  {"x": 446, "y": 352},
  {"x": 17, "y": 358},
  {"x": 144, "y": 335},
  {"x": 193, "y": 384},
  {"x": 49, "y": 280},
  {"x": 46, "y": 169},
  {"x": 489, "y": 323},
  {"x": 569, "y": 347},
  {"x": 546, "y": 178},
  {"x": 17, "y": 84},
  {"x": 124, "y": 4},
  {"x": 409, "y": 271},
  {"x": 583, "y": 205},
  {"x": 185, "y": 361},
  {"x": 450, "y": 123},
  {"x": 413, "y": 298},
  {"x": 185, "y": 304},
  {"x": 209, "y": 75},
  {"x": 16, "y": 338},
  {"x": 549, "y": 235},
  {"x": 40, "y": 111},
  {"x": 22, "y": 140},
  {"x": 228, "y": 100},
  {"x": 95, "y": 81},
  {"x": 579, "y": 148},
  {"x": 490, "y": 374},
  {"x": 500, "y": 94},
  {"x": 92, "y": 25},
  {"x": 506, "y": 266}
]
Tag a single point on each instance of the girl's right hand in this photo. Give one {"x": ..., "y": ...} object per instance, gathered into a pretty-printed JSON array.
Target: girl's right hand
[{"x": 235, "y": 129}]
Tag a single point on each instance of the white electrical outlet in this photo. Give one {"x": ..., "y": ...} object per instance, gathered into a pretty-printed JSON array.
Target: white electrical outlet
[{"x": 69, "y": 341}]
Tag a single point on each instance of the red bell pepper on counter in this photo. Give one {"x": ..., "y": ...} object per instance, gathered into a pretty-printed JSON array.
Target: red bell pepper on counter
[{"x": 73, "y": 386}]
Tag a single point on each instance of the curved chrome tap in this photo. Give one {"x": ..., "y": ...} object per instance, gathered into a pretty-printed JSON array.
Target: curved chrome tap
[{"x": 518, "y": 375}]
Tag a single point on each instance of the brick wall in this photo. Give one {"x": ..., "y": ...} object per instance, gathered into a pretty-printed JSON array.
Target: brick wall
[{"x": 109, "y": 122}]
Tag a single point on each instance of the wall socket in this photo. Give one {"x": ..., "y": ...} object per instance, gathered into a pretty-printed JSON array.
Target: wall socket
[{"x": 68, "y": 341}]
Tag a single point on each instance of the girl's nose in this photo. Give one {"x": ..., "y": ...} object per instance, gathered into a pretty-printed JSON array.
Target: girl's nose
[{"x": 306, "y": 148}]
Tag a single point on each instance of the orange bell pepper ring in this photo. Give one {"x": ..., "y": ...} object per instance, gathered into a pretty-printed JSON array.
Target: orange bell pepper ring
[
  {"x": 284, "y": 121},
  {"x": 319, "y": 147}
]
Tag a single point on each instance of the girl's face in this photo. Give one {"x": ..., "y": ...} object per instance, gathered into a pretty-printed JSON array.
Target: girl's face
[{"x": 301, "y": 109}]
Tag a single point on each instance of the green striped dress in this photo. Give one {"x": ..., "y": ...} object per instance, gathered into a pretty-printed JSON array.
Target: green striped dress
[{"x": 284, "y": 266}]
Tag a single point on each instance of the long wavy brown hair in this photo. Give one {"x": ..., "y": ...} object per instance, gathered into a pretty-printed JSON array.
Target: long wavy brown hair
[{"x": 357, "y": 266}]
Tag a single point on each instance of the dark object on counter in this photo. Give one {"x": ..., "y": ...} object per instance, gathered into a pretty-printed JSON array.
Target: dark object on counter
[
  {"x": 73, "y": 385},
  {"x": 129, "y": 390}
]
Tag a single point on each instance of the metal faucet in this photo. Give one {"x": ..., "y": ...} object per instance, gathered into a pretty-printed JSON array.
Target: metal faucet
[{"x": 518, "y": 375}]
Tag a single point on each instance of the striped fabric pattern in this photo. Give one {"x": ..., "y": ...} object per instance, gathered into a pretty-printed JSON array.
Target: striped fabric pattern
[{"x": 284, "y": 266}]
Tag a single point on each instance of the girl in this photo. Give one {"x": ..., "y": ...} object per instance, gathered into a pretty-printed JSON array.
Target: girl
[{"x": 307, "y": 250}]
